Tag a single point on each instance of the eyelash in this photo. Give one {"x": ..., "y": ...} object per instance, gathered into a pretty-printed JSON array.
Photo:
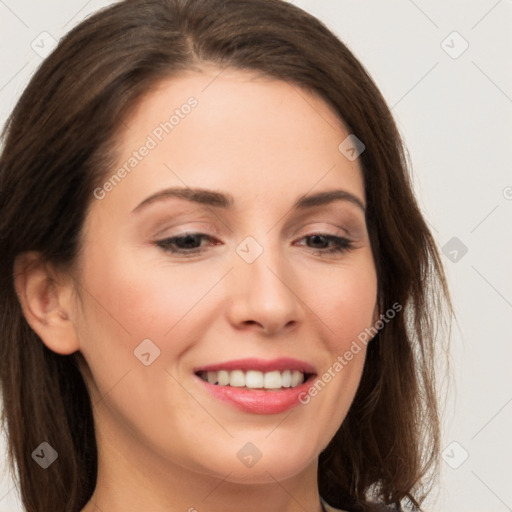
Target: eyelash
[{"x": 341, "y": 244}]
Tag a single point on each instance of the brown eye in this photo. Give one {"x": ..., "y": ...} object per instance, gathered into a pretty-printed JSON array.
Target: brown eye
[
  {"x": 338, "y": 244},
  {"x": 188, "y": 243}
]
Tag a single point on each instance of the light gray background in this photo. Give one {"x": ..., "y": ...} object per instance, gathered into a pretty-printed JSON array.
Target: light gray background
[{"x": 455, "y": 117}]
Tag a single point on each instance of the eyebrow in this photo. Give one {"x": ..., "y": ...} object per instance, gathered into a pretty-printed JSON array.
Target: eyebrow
[{"x": 226, "y": 201}]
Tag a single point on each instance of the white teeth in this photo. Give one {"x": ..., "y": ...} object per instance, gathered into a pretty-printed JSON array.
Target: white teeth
[
  {"x": 254, "y": 379},
  {"x": 286, "y": 379},
  {"x": 297, "y": 378},
  {"x": 272, "y": 380},
  {"x": 223, "y": 377},
  {"x": 237, "y": 379}
]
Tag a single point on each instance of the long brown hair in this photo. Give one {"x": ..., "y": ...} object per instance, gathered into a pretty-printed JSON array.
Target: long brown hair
[{"x": 59, "y": 145}]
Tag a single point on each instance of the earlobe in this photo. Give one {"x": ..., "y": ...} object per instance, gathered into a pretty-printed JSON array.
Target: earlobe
[{"x": 46, "y": 303}]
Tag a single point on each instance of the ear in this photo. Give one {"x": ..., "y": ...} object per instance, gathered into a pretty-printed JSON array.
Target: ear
[{"x": 47, "y": 302}]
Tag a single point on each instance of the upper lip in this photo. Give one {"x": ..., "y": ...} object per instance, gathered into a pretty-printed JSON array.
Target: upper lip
[{"x": 263, "y": 365}]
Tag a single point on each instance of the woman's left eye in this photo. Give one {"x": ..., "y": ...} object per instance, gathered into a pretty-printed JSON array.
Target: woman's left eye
[
  {"x": 190, "y": 243},
  {"x": 340, "y": 244},
  {"x": 184, "y": 244}
]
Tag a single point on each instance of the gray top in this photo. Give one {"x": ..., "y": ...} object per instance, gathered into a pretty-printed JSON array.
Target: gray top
[
  {"x": 382, "y": 508},
  {"x": 328, "y": 507}
]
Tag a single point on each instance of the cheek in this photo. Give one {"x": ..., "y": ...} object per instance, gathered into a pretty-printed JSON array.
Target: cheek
[
  {"x": 143, "y": 299},
  {"x": 345, "y": 300},
  {"x": 127, "y": 302}
]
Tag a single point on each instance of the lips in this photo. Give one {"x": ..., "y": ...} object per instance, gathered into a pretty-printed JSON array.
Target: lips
[{"x": 257, "y": 385}]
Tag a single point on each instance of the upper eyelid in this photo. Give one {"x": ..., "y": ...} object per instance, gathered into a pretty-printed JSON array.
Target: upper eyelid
[
  {"x": 343, "y": 224},
  {"x": 287, "y": 229},
  {"x": 355, "y": 214},
  {"x": 213, "y": 238},
  {"x": 215, "y": 233}
]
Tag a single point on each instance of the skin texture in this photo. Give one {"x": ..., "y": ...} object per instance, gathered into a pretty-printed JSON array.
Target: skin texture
[{"x": 164, "y": 443}]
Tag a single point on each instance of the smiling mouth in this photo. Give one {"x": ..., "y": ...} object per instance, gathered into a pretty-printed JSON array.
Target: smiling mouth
[{"x": 255, "y": 379}]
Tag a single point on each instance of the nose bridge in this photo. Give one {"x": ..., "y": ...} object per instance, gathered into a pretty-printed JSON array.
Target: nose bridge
[{"x": 263, "y": 282}]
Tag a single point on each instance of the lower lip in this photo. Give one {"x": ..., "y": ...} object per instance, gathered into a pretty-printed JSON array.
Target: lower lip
[{"x": 258, "y": 401}]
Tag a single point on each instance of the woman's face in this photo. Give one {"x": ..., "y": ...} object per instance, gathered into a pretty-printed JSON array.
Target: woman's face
[{"x": 256, "y": 285}]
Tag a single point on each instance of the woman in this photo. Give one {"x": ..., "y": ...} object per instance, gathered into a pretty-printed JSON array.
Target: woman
[{"x": 218, "y": 291}]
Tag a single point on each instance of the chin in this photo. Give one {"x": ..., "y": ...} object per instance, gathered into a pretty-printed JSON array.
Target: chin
[{"x": 251, "y": 465}]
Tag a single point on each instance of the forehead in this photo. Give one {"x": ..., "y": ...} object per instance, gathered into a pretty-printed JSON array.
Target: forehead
[{"x": 260, "y": 138}]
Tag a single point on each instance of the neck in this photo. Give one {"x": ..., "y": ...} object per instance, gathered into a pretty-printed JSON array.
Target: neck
[{"x": 132, "y": 477}]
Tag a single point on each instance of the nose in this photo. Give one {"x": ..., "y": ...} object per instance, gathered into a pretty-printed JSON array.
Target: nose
[{"x": 264, "y": 295}]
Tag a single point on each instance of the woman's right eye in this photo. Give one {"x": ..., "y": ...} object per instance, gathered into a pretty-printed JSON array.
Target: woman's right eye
[{"x": 187, "y": 244}]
